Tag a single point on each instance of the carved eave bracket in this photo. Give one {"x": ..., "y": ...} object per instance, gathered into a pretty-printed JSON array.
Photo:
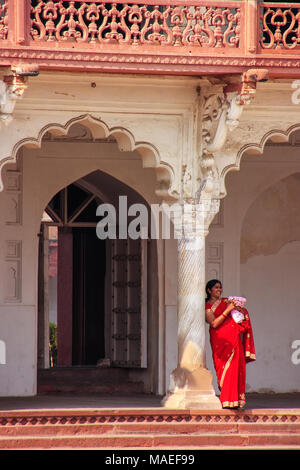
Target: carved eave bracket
[
  {"x": 223, "y": 110},
  {"x": 12, "y": 88},
  {"x": 221, "y": 114}
]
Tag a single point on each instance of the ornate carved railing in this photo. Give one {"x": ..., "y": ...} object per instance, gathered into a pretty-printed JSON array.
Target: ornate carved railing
[
  {"x": 157, "y": 22},
  {"x": 176, "y": 36},
  {"x": 4, "y": 20},
  {"x": 280, "y": 26}
]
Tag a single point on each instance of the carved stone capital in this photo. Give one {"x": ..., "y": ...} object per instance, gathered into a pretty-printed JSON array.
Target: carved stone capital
[{"x": 193, "y": 217}]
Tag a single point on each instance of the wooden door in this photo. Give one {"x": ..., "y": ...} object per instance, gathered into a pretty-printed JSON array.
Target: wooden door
[{"x": 129, "y": 303}]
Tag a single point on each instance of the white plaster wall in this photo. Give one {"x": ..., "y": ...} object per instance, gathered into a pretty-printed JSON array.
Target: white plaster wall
[
  {"x": 264, "y": 198},
  {"x": 18, "y": 327},
  {"x": 18, "y": 262},
  {"x": 272, "y": 287}
]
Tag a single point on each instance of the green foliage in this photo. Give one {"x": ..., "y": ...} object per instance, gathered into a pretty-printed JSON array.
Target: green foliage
[{"x": 53, "y": 344}]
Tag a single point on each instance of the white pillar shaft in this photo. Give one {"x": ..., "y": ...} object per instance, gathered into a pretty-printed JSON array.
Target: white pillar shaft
[{"x": 191, "y": 321}]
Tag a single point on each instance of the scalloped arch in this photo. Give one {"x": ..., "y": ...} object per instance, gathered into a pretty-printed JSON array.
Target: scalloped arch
[
  {"x": 275, "y": 135},
  {"x": 100, "y": 130}
]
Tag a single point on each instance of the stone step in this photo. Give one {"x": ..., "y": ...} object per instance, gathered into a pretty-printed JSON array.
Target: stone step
[
  {"x": 57, "y": 429},
  {"x": 148, "y": 428},
  {"x": 151, "y": 441}
]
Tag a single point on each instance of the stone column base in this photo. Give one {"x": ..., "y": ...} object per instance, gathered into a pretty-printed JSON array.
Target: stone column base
[{"x": 191, "y": 390}]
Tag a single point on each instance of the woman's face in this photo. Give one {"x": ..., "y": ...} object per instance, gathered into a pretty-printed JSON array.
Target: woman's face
[{"x": 216, "y": 291}]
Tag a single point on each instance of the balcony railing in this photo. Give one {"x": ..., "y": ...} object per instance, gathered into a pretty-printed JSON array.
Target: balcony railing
[
  {"x": 177, "y": 36},
  {"x": 135, "y": 24},
  {"x": 280, "y": 27}
]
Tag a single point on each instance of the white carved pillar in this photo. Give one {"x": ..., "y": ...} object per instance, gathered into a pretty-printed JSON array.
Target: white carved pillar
[{"x": 191, "y": 383}]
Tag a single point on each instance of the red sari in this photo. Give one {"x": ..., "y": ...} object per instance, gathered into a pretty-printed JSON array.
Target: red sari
[{"x": 232, "y": 347}]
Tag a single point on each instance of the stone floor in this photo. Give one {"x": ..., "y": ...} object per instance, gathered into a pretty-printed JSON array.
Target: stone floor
[{"x": 93, "y": 401}]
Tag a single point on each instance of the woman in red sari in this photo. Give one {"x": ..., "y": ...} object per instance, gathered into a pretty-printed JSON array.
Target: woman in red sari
[{"x": 232, "y": 346}]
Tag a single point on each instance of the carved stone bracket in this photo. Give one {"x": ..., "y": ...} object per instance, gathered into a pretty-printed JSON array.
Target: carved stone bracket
[
  {"x": 222, "y": 111},
  {"x": 12, "y": 88}
]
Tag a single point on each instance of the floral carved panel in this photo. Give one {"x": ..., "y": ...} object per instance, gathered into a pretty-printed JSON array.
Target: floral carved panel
[{"x": 160, "y": 23}]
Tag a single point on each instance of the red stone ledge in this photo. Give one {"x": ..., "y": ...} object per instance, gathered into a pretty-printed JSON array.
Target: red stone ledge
[{"x": 174, "y": 63}]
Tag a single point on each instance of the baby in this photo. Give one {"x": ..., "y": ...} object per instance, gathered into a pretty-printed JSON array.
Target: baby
[{"x": 238, "y": 302}]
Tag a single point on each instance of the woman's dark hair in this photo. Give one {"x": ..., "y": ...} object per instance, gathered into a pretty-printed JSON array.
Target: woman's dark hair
[{"x": 209, "y": 286}]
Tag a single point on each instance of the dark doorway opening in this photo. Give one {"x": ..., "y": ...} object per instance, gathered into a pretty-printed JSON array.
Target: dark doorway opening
[
  {"x": 75, "y": 291},
  {"x": 89, "y": 267}
]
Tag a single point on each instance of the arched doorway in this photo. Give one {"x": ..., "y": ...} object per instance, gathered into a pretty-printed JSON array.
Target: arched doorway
[
  {"x": 102, "y": 314},
  {"x": 38, "y": 168}
]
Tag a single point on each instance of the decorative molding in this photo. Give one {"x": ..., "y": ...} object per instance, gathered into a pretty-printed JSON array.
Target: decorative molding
[
  {"x": 13, "y": 209},
  {"x": 159, "y": 415},
  {"x": 13, "y": 194},
  {"x": 115, "y": 61},
  {"x": 13, "y": 181},
  {"x": 77, "y": 133},
  {"x": 214, "y": 260},
  {"x": 257, "y": 148},
  {"x": 13, "y": 275},
  {"x": 126, "y": 142}
]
